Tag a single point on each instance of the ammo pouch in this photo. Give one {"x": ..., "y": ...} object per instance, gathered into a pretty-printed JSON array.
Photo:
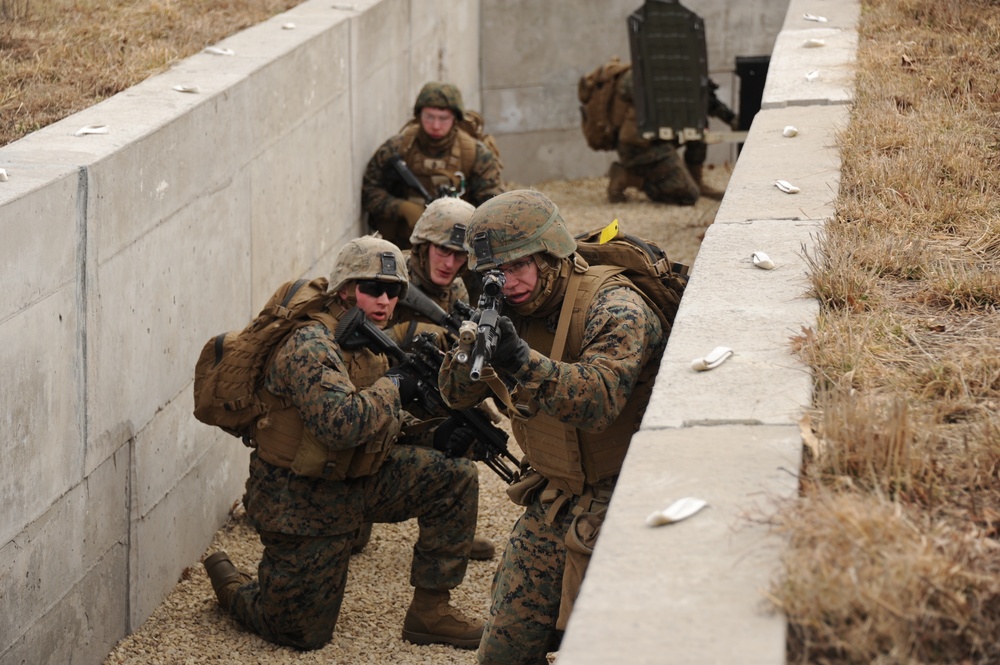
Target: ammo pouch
[
  {"x": 314, "y": 460},
  {"x": 523, "y": 491},
  {"x": 581, "y": 537}
]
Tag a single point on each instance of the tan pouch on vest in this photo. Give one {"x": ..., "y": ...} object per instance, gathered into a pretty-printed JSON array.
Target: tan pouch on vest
[
  {"x": 311, "y": 460},
  {"x": 580, "y": 541},
  {"x": 523, "y": 492}
]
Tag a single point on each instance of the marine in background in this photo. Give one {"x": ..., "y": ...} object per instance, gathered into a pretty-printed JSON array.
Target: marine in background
[
  {"x": 435, "y": 264},
  {"x": 446, "y": 153},
  {"x": 655, "y": 166}
]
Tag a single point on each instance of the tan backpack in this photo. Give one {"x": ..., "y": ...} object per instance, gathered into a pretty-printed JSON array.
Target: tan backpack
[
  {"x": 644, "y": 263},
  {"x": 602, "y": 111},
  {"x": 229, "y": 373}
]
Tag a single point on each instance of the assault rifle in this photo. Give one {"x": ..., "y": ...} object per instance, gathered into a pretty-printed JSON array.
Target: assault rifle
[
  {"x": 422, "y": 304},
  {"x": 409, "y": 178},
  {"x": 356, "y": 331},
  {"x": 404, "y": 172},
  {"x": 478, "y": 341}
]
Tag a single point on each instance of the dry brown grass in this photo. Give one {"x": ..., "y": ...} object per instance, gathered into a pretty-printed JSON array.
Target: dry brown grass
[
  {"x": 894, "y": 555},
  {"x": 58, "y": 57}
]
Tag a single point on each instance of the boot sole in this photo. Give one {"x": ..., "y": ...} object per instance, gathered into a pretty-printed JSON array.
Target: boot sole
[{"x": 426, "y": 639}]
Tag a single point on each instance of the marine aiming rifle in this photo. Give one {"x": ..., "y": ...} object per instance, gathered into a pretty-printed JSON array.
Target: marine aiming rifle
[{"x": 490, "y": 447}]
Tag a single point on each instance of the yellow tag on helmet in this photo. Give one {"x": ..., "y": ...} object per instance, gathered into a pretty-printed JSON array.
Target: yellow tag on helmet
[{"x": 609, "y": 232}]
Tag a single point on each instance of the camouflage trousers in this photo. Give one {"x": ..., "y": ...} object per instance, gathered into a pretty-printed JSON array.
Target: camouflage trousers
[
  {"x": 663, "y": 173},
  {"x": 668, "y": 181},
  {"x": 296, "y": 598},
  {"x": 527, "y": 589}
]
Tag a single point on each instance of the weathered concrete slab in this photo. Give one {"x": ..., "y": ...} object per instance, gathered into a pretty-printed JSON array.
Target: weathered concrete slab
[
  {"x": 690, "y": 592},
  {"x": 42, "y": 446},
  {"x": 800, "y": 75},
  {"x": 201, "y": 500},
  {"x": 40, "y": 223},
  {"x": 810, "y": 161},
  {"x": 755, "y": 312},
  {"x": 84, "y": 527}
]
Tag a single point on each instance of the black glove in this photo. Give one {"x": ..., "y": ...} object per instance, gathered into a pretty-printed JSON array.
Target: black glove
[
  {"x": 406, "y": 381},
  {"x": 452, "y": 438},
  {"x": 512, "y": 352}
]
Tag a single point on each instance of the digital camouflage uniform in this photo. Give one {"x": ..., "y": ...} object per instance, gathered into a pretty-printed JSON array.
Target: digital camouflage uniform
[
  {"x": 347, "y": 408},
  {"x": 598, "y": 389},
  {"x": 655, "y": 166},
  {"x": 453, "y": 161}
]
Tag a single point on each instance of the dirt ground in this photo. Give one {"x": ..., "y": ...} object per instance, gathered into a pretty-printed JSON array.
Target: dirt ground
[{"x": 189, "y": 626}]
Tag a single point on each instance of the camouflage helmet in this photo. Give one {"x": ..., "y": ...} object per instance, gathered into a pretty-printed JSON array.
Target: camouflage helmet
[
  {"x": 443, "y": 223},
  {"x": 513, "y": 225},
  {"x": 369, "y": 257},
  {"x": 440, "y": 96}
]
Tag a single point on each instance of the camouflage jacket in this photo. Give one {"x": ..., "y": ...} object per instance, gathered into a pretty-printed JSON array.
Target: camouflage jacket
[
  {"x": 382, "y": 191},
  {"x": 310, "y": 370}
]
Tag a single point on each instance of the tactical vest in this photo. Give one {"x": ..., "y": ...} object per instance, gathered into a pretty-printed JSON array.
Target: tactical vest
[
  {"x": 284, "y": 441},
  {"x": 569, "y": 458},
  {"x": 433, "y": 172}
]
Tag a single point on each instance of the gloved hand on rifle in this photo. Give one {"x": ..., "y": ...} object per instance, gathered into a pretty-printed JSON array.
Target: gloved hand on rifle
[
  {"x": 406, "y": 381},
  {"x": 512, "y": 353},
  {"x": 452, "y": 438}
]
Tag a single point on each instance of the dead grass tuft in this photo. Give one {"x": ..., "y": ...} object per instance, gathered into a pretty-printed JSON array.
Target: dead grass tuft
[{"x": 872, "y": 582}]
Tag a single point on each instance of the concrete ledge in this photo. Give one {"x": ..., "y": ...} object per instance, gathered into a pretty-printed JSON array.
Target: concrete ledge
[
  {"x": 690, "y": 592},
  {"x": 729, "y": 302},
  {"x": 833, "y": 62}
]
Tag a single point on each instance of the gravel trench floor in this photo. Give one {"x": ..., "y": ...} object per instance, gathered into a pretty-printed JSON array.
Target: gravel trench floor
[{"x": 188, "y": 627}]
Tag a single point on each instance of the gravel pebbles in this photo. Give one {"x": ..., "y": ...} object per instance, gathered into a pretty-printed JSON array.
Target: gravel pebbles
[{"x": 189, "y": 627}]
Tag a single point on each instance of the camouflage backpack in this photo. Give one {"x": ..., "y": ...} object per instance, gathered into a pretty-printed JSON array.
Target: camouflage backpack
[
  {"x": 230, "y": 370},
  {"x": 646, "y": 265},
  {"x": 602, "y": 111}
]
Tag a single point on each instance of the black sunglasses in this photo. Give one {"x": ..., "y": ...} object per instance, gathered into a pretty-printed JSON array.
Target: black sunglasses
[{"x": 370, "y": 287}]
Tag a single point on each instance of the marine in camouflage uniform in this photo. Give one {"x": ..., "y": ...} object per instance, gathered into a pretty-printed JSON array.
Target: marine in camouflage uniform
[
  {"x": 655, "y": 166},
  {"x": 327, "y": 460},
  {"x": 443, "y": 157},
  {"x": 440, "y": 229},
  {"x": 573, "y": 412},
  {"x": 435, "y": 263}
]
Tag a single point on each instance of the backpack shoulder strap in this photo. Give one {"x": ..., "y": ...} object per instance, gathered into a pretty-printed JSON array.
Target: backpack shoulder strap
[{"x": 580, "y": 291}]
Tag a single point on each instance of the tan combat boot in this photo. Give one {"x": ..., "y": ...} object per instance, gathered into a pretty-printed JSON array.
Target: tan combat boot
[
  {"x": 226, "y": 579},
  {"x": 432, "y": 620},
  {"x": 697, "y": 172},
  {"x": 482, "y": 549}
]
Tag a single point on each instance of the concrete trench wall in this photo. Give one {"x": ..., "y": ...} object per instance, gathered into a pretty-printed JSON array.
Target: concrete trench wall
[{"x": 125, "y": 251}]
